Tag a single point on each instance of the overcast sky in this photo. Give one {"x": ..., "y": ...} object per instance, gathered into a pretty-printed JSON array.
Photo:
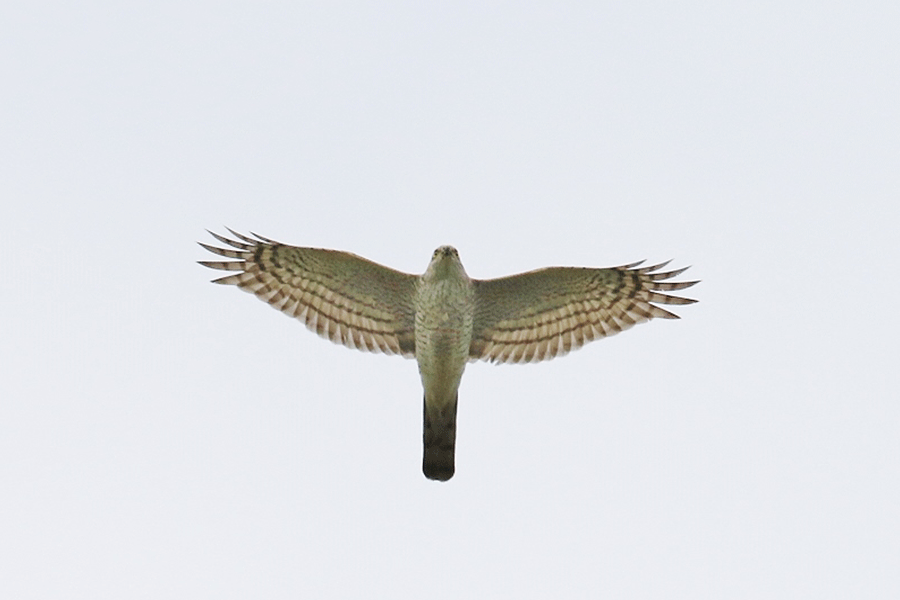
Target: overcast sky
[{"x": 162, "y": 437}]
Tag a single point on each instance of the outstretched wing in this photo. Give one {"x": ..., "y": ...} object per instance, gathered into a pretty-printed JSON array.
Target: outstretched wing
[
  {"x": 546, "y": 313},
  {"x": 342, "y": 297}
]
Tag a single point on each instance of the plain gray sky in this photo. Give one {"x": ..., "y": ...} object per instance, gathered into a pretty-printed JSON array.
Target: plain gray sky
[{"x": 161, "y": 437}]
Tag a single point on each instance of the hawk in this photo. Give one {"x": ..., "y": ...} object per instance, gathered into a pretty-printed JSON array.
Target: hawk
[{"x": 444, "y": 318}]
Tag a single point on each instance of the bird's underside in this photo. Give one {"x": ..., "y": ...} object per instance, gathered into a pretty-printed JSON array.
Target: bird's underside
[{"x": 443, "y": 318}]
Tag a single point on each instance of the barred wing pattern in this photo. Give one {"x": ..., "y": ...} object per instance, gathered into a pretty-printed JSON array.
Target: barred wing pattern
[
  {"x": 340, "y": 296},
  {"x": 546, "y": 313}
]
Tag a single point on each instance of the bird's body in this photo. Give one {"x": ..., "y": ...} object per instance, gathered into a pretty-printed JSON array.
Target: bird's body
[
  {"x": 443, "y": 318},
  {"x": 445, "y": 310}
]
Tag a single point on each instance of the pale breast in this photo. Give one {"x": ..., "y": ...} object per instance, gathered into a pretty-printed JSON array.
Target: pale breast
[{"x": 444, "y": 316}]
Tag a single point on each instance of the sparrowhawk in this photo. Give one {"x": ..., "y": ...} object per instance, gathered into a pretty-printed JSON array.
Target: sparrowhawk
[{"x": 443, "y": 318}]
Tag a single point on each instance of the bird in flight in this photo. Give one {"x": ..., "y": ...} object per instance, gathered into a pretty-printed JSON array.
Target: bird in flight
[{"x": 444, "y": 318}]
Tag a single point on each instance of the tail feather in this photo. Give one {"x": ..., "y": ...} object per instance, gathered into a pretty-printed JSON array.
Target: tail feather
[{"x": 439, "y": 439}]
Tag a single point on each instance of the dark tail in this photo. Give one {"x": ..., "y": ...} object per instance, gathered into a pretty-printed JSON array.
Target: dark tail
[{"x": 439, "y": 438}]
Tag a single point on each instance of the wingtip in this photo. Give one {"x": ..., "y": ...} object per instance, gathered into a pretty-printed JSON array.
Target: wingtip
[
  {"x": 262, "y": 239},
  {"x": 631, "y": 265},
  {"x": 655, "y": 267}
]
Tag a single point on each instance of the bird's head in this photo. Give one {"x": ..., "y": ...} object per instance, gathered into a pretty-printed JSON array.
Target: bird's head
[{"x": 445, "y": 264}]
